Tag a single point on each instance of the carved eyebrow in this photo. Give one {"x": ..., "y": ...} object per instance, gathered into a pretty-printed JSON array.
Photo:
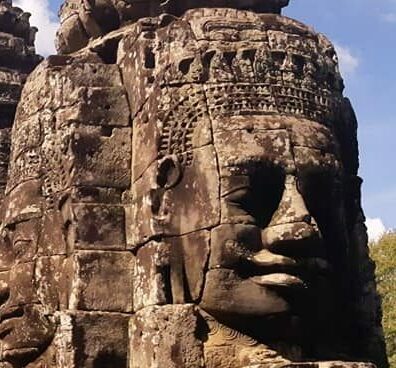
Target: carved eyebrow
[
  {"x": 235, "y": 189},
  {"x": 21, "y": 218},
  {"x": 333, "y": 172}
]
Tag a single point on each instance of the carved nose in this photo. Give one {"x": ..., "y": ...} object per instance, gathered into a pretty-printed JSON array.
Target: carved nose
[
  {"x": 4, "y": 292},
  {"x": 292, "y": 230}
]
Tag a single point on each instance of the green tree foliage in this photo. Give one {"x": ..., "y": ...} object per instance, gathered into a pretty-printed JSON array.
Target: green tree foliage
[{"x": 383, "y": 253}]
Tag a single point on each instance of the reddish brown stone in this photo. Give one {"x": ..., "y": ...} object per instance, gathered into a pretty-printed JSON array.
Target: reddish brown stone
[
  {"x": 151, "y": 276},
  {"x": 102, "y": 157},
  {"x": 102, "y": 340},
  {"x": 166, "y": 337},
  {"x": 98, "y": 227},
  {"x": 94, "y": 273},
  {"x": 204, "y": 156}
]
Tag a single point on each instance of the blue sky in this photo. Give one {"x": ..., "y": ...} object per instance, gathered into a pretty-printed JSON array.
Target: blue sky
[
  {"x": 365, "y": 34},
  {"x": 366, "y": 31}
]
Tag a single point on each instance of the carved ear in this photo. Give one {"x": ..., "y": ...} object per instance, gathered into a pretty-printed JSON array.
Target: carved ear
[{"x": 169, "y": 172}]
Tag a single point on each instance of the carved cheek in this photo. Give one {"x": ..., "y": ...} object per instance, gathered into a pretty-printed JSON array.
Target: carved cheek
[
  {"x": 232, "y": 244},
  {"x": 25, "y": 240}
]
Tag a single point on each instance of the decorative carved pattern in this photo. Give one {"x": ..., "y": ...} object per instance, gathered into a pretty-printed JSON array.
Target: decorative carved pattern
[{"x": 178, "y": 126}]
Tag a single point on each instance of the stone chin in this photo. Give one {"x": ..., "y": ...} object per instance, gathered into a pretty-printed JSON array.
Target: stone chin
[
  {"x": 258, "y": 296},
  {"x": 22, "y": 355},
  {"x": 16, "y": 356},
  {"x": 26, "y": 335}
]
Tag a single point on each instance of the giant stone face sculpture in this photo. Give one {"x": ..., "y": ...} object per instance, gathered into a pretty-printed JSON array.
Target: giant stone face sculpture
[
  {"x": 183, "y": 192},
  {"x": 17, "y": 59}
]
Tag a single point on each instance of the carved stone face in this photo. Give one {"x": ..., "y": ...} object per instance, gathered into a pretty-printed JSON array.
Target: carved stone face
[
  {"x": 29, "y": 296},
  {"x": 242, "y": 180},
  {"x": 280, "y": 226},
  {"x": 256, "y": 220}
]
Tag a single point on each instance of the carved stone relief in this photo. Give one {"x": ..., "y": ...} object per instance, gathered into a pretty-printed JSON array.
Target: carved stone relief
[
  {"x": 183, "y": 192},
  {"x": 17, "y": 59}
]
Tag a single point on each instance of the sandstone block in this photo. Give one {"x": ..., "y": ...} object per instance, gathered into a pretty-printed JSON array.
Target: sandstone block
[
  {"x": 102, "y": 157},
  {"x": 91, "y": 75},
  {"x": 163, "y": 196},
  {"x": 98, "y": 227},
  {"x": 23, "y": 202},
  {"x": 308, "y": 157},
  {"x": 100, "y": 106},
  {"x": 73, "y": 33},
  {"x": 49, "y": 272},
  {"x": 189, "y": 259},
  {"x": 95, "y": 194},
  {"x": 52, "y": 239},
  {"x": 166, "y": 337},
  {"x": 152, "y": 284},
  {"x": 172, "y": 121},
  {"x": 241, "y": 149},
  {"x": 226, "y": 292},
  {"x": 139, "y": 66},
  {"x": 146, "y": 137},
  {"x": 22, "y": 281},
  {"x": 313, "y": 135},
  {"x": 94, "y": 274},
  {"x": 102, "y": 340}
]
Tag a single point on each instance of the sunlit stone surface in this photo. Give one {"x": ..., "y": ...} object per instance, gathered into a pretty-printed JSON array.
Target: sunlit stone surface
[{"x": 183, "y": 193}]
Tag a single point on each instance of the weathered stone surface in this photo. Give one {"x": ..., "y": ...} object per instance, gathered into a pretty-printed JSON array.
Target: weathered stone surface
[
  {"x": 102, "y": 157},
  {"x": 225, "y": 347},
  {"x": 227, "y": 293},
  {"x": 17, "y": 60},
  {"x": 92, "y": 340},
  {"x": 263, "y": 147},
  {"x": 151, "y": 276},
  {"x": 166, "y": 337},
  {"x": 23, "y": 275},
  {"x": 172, "y": 121},
  {"x": 138, "y": 67},
  {"x": 162, "y": 207},
  {"x": 189, "y": 259},
  {"x": 95, "y": 194},
  {"x": 94, "y": 274},
  {"x": 233, "y": 244},
  {"x": 101, "y": 106},
  {"x": 189, "y": 177},
  {"x": 53, "y": 240},
  {"x": 172, "y": 271},
  {"x": 98, "y": 227},
  {"x": 49, "y": 274},
  {"x": 81, "y": 21}
]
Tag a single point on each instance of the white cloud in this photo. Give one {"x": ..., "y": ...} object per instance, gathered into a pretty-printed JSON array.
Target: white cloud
[
  {"x": 375, "y": 229},
  {"x": 348, "y": 62},
  {"x": 45, "y": 20},
  {"x": 389, "y": 17}
]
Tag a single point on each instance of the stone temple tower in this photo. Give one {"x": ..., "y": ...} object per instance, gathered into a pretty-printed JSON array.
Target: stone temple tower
[
  {"x": 17, "y": 59},
  {"x": 183, "y": 192}
]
